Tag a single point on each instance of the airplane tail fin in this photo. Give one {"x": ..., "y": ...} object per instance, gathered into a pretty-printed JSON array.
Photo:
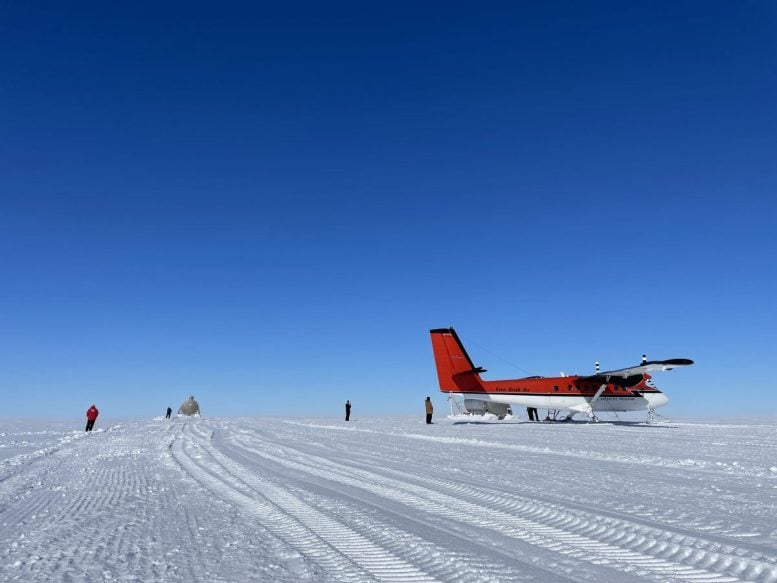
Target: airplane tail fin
[{"x": 455, "y": 370}]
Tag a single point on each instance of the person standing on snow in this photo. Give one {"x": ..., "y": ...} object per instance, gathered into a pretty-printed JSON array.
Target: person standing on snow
[
  {"x": 429, "y": 410},
  {"x": 91, "y": 417},
  {"x": 347, "y": 410},
  {"x": 169, "y": 412}
]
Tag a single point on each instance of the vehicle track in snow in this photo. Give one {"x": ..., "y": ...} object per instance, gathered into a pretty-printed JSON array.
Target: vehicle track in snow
[
  {"x": 703, "y": 483},
  {"x": 62, "y": 535},
  {"x": 624, "y": 545},
  {"x": 281, "y": 500},
  {"x": 445, "y": 553},
  {"x": 717, "y": 491},
  {"x": 341, "y": 552},
  {"x": 114, "y": 506}
]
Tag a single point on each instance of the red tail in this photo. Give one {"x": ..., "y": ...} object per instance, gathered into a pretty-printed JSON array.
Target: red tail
[{"x": 455, "y": 370}]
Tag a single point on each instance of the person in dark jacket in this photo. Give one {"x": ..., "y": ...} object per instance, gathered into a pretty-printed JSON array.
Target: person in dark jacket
[
  {"x": 347, "y": 410},
  {"x": 169, "y": 412},
  {"x": 91, "y": 417},
  {"x": 429, "y": 410}
]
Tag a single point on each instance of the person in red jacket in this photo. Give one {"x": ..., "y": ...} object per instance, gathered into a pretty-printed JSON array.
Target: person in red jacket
[{"x": 91, "y": 416}]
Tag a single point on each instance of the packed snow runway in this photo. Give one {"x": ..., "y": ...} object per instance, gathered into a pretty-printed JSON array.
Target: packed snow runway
[{"x": 387, "y": 499}]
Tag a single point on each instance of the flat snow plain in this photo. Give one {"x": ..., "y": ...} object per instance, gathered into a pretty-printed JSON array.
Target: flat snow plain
[{"x": 387, "y": 499}]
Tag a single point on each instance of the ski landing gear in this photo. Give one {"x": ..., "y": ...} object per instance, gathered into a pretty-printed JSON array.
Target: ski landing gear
[{"x": 588, "y": 408}]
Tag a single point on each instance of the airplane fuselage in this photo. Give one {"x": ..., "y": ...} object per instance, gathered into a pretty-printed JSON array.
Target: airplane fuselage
[{"x": 565, "y": 393}]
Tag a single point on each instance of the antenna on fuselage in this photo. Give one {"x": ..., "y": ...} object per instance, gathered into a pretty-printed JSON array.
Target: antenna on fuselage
[{"x": 597, "y": 367}]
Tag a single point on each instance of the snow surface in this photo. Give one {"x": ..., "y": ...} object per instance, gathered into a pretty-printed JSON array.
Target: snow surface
[{"x": 387, "y": 499}]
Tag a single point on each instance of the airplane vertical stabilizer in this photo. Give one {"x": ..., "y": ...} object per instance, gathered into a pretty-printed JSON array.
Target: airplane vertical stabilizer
[{"x": 455, "y": 370}]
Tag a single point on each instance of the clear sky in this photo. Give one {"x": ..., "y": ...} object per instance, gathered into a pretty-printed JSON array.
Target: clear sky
[{"x": 269, "y": 204}]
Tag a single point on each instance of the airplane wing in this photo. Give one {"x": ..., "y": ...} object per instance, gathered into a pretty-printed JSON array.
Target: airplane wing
[
  {"x": 633, "y": 374},
  {"x": 648, "y": 366}
]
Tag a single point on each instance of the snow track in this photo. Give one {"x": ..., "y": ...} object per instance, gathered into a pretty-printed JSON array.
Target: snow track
[
  {"x": 274, "y": 500},
  {"x": 583, "y": 536},
  {"x": 338, "y": 549}
]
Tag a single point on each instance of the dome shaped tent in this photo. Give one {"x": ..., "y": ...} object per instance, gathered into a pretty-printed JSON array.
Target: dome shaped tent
[{"x": 189, "y": 407}]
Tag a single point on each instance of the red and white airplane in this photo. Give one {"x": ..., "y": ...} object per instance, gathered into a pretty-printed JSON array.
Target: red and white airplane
[{"x": 626, "y": 389}]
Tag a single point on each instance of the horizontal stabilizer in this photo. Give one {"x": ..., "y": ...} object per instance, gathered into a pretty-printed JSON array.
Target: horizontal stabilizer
[{"x": 478, "y": 370}]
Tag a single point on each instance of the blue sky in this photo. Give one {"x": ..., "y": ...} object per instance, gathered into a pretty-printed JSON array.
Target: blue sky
[{"x": 270, "y": 205}]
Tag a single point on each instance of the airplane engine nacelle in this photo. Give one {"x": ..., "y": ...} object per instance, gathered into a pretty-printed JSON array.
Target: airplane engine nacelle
[{"x": 479, "y": 407}]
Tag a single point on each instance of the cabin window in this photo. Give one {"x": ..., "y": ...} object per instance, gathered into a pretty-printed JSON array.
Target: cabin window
[
  {"x": 555, "y": 387},
  {"x": 569, "y": 387}
]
